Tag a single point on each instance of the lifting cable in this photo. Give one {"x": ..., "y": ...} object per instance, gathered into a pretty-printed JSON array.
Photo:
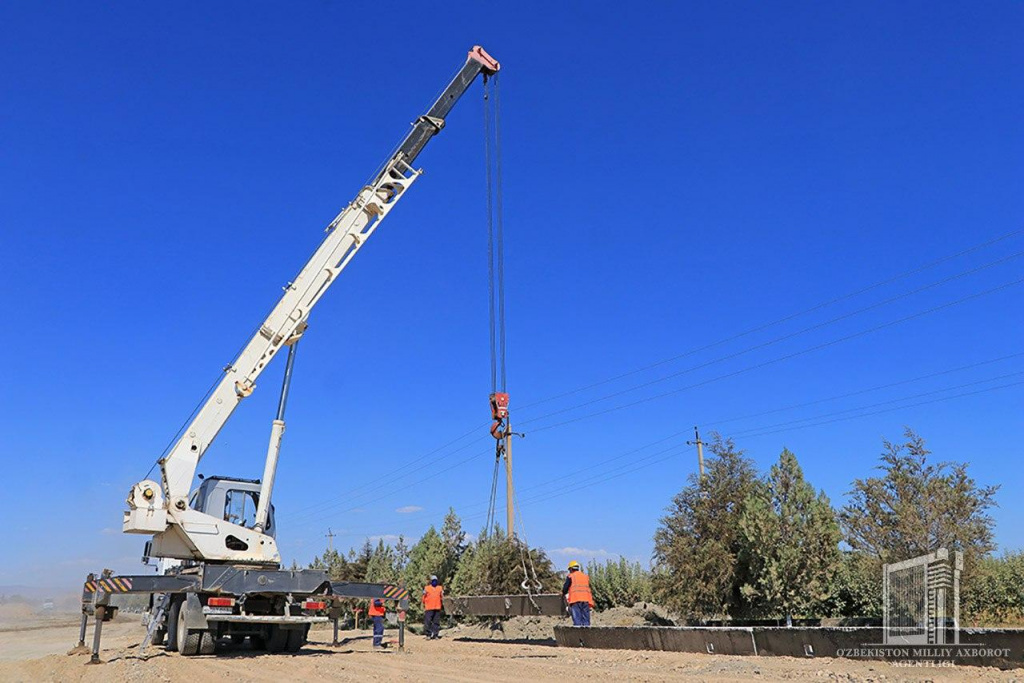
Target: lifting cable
[{"x": 500, "y": 428}]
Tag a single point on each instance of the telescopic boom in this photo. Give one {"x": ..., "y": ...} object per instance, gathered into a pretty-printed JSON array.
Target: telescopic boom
[{"x": 163, "y": 509}]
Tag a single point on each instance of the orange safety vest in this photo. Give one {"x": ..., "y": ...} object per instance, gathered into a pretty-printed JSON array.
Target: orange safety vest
[
  {"x": 579, "y": 588},
  {"x": 375, "y": 611},
  {"x": 433, "y": 596}
]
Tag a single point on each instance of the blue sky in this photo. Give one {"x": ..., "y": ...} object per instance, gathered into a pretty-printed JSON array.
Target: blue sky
[{"x": 676, "y": 174}]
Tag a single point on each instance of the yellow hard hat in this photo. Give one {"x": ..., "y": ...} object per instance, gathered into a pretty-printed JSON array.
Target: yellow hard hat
[{"x": 574, "y": 565}]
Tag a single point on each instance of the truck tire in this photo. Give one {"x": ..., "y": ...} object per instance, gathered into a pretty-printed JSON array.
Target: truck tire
[
  {"x": 159, "y": 636},
  {"x": 296, "y": 639},
  {"x": 188, "y": 639},
  {"x": 277, "y": 639},
  {"x": 171, "y": 625},
  {"x": 207, "y": 643}
]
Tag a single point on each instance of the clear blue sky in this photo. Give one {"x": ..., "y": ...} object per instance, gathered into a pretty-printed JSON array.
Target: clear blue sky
[{"x": 675, "y": 174}]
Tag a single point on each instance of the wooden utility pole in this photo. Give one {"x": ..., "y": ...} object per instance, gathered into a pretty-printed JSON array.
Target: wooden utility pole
[
  {"x": 330, "y": 539},
  {"x": 510, "y": 512},
  {"x": 700, "y": 450}
]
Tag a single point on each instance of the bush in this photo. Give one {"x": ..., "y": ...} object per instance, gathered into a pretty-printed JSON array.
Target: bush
[
  {"x": 494, "y": 566},
  {"x": 619, "y": 583},
  {"x": 992, "y": 590}
]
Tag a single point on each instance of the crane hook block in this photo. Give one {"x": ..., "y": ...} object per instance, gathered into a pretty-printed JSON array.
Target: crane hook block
[
  {"x": 499, "y": 406},
  {"x": 499, "y": 413}
]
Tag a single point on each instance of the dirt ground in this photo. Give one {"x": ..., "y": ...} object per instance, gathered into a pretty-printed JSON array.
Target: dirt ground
[{"x": 36, "y": 650}]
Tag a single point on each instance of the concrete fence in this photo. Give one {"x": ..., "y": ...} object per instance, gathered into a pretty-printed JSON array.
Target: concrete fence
[{"x": 982, "y": 647}]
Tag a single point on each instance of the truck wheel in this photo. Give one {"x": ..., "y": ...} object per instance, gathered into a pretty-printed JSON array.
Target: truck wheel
[
  {"x": 258, "y": 642},
  {"x": 188, "y": 639},
  {"x": 172, "y": 626},
  {"x": 207, "y": 643},
  {"x": 158, "y": 636},
  {"x": 296, "y": 639},
  {"x": 277, "y": 640}
]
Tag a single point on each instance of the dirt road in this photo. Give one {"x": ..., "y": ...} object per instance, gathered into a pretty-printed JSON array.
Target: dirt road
[{"x": 39, "y": 654}]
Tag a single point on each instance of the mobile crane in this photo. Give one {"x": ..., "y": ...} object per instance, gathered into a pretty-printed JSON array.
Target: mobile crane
[{"x": 223, "y": 574}]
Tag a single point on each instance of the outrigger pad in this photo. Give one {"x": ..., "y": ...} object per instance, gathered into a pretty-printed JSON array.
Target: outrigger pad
[{"x": 543, "y": 604}]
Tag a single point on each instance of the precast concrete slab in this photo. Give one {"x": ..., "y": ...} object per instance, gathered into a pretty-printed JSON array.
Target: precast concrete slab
[
  {"x": 711, "y": 640},
  {"x": 980, "y": 647}
]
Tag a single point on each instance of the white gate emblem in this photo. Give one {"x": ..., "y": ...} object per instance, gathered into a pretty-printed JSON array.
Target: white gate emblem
[{"x": 921, "y": 599}]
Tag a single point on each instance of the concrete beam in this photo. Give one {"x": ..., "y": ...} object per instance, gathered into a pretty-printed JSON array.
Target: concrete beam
[{"x": 980, "y": 647}]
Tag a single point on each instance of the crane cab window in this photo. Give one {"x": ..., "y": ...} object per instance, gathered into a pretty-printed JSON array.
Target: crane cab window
[{"x": 240, "y": 507}]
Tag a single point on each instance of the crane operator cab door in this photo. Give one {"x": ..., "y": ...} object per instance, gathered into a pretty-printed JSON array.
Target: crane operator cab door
[{"x": 233, "y": 500}]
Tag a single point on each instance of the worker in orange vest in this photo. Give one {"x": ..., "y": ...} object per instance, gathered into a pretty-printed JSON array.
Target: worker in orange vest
[
  {"x": 433, "y": 600},
  {"x": 576, "y": 590},
  {"x": 377, "y": 612}
]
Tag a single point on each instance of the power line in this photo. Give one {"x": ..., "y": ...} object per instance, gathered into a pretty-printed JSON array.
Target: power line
[
  {"x": 670, "y": 453},
  {"x": 787, "y": 318},
  {"x": 880, "y": 403},
  {"x": 779, "y": 359},
  {"x": 563, "y": 492},
  {"x": 889, "y": 410},
  {"x": 866, "y": 391},
  {"x": 390, "y": 492},
  {"x": 402, "y": 472},
  {"x": 772, "y": 342},
  {"x": 323, "y": 507}
]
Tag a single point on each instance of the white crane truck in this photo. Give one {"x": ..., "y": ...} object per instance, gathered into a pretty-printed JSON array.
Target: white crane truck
[{"x": 221, "y": 572}]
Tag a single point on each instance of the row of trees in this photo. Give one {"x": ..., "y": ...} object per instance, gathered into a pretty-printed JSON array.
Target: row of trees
[
  {"x": 738, "y": 545},
  {"x": 491, "y": 565}
]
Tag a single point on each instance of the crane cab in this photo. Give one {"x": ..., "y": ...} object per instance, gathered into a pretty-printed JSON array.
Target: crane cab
[{"x": 233, "y": 500}]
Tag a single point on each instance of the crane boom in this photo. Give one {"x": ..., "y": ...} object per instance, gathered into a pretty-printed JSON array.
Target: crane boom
[{"x": 346, "y": 234}]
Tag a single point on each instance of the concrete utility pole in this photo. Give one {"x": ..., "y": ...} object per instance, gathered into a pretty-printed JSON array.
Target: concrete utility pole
[
  {"x": 330, "y": 538},
  {"x": 700, "y": 450},
  {"x": 510, "y": 512}
]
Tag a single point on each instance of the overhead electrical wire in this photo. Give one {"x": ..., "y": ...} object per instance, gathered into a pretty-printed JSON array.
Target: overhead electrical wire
[
  {"x": 779, "y": 359},
  {"x": 670, "y": 452},
  {"x": 863, "y": 391},
  {"x": 785, "y": 337},
  {"x": 743, "y": 370},
  {"x": 786, "y": 318},
  {"x": 403, "y": 471},
  {"x": 574, "y": 489},
  {"x": 744, "y": 432}
]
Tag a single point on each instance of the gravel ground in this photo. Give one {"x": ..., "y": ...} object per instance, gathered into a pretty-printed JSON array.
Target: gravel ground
[{"x": 40, "y": 654}]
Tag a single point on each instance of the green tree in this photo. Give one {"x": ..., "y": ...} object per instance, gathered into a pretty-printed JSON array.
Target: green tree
[
  {"x": 454, "y": 539},
  {"x": 697, "y": 545},
  {"x": 790, "y": 542},
  {"x": 916, "y": 507},
  {"x": 358, "y": 562},
  {"x": 334, "y": 563},
  {"x": 494, "y": 566},
  {"x": 383, "y": 565},
  {"x": 428, "y": 556},
  {"x": 856, "y": 587},
  {"x": 619, "y": 583}
]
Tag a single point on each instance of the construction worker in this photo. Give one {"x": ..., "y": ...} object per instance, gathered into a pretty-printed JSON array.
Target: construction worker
[
  {"x": 576, "y": 590},
  {"x": 433, "y": 600},
  {"x": 377, "y": 612}
]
